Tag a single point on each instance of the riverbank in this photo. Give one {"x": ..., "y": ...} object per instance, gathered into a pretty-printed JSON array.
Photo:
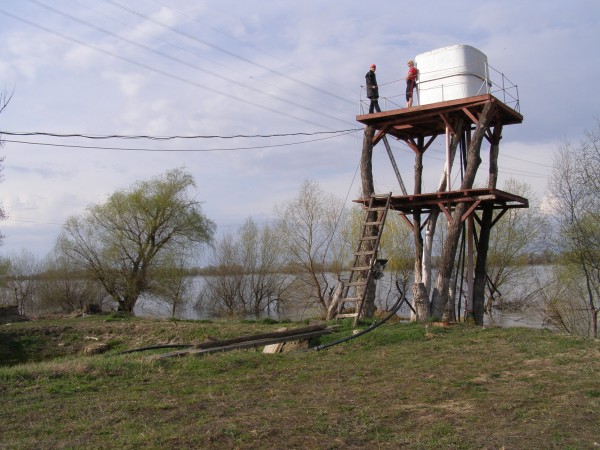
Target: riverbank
[{"x": 402, "y": 385}]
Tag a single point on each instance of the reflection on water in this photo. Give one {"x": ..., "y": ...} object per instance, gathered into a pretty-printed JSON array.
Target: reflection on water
[
  {"x": 528, "y": 318},
  {"x": 151, "y": 307}
]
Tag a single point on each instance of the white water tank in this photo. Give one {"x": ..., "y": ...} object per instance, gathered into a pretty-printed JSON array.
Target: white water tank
[{"x": 450, "y": 73}]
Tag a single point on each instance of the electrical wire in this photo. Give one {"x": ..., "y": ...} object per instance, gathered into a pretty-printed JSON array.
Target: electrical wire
[
  {"x": 167, "y": 138},
  {"x": 170, "y": 7},
  {"x": 183, "y": 62},
  {"x": 30, "y": 220},
  {"x": 155, "y": 70},
  {"x": 227, "y": 52},
  {"x": 194, "y": 54},
  {"x": 92, "y": 147}
]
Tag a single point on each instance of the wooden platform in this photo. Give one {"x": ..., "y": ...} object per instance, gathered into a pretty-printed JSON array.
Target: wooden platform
[
  {"x": 445, "y": 201},
  {"x": 431, "y": 120}
]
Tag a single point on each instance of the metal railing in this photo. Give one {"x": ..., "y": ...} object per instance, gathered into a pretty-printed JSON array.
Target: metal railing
[{"x": 493, "y": 82}]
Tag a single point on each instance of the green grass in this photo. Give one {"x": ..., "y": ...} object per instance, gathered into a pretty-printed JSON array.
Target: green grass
[{"x": 400, "y": 386}]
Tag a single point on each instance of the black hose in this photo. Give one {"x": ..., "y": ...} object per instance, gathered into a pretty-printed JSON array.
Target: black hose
[
  {"x": 366, "y": 330},
  {"x": 395, "y": 309},
  {"x": 154, "y": 347}
]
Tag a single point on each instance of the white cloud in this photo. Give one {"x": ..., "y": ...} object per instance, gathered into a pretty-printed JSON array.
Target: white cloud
[
  {"x": 129, "y": 84},
  {"x": 80, "y": 56},
  {"x": 313, "y": 54}
]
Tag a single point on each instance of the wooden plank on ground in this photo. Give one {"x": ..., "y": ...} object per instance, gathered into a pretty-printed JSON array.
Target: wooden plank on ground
[{"x": 254, "y": 341}]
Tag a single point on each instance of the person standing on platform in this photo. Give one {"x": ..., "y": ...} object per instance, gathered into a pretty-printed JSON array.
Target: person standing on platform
[
  {"x": 411, "y": 82},
  {"x": 372, "y": 89}
]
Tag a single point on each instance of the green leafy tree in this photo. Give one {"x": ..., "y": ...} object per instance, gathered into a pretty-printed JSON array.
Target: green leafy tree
[{"x": 122, "y": 242}]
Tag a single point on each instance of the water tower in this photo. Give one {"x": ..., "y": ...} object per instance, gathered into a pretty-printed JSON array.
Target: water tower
[{"x": 465, "y": 102}]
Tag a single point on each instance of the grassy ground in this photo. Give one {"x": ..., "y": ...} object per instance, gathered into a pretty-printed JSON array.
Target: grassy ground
[{"x": 400, "y": 386}]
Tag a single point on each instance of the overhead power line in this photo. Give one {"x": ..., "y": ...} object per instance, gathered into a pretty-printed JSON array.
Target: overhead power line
[
  {"x": 155, "y": 70},
  {"x": 195, "y": 54},
  {"x": 227, "y": 52},
  {"x": 168, "y": 138},
  {"x": 91, "y": 147},
  {"x": 186, "y": 63},
  {"x": 204, "y": 24}
]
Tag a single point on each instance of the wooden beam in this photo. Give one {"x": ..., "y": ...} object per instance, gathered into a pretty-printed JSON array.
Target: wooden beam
[
  {"x": 430, "y": 141},
  {"x": 445, "y": 211},
  {"x": 413, "y": 145},
  {"x": 470, "y": 115},
  {"x": 470, "y": 210},
  {"x": 378, "y": 136},
  {"x": 478, "y": 220},
  {"x": 497, "y": 218},
  {"x": 407, "y": 221},
  {"x": 445, "y": 119}
]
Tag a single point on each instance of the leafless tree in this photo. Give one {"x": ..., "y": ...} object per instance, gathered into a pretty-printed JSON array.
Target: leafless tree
[
  {"x": 22, "y": 280},
  {"x": 223, "y": 291},
  {"x": 247, "y": 275},
  {"x": 575, "y": 192},
  {"x": 171, "y": 283},
  {"x": 262, "y": 262},
  {"x": 310, "y": 229},
  {"x": 519, "y": 234},
  {"x": 5, "y": 99},
  {"x": 398, "y": 248},
  {"x": 63, "y": 286}
]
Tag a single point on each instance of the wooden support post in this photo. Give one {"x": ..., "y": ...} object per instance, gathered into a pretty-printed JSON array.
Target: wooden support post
[
  {"x": 470, "y": 265},
  {"x": 448, "y": 159}
]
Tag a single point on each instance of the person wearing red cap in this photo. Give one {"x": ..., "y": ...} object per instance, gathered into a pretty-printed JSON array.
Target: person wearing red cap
[
  {"x": 411, "y": 82},
  {"x": 372, "y": 89}
]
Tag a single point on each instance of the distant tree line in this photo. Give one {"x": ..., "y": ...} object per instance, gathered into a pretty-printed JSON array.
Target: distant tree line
[{"x": 146, "y": 239}]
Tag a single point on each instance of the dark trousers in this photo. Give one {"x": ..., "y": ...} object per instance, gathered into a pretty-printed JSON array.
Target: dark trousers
[{"x": 374, "y": 106}]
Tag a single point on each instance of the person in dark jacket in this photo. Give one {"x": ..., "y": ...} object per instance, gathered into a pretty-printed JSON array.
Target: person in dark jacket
[{"x": 372, "y": 89}]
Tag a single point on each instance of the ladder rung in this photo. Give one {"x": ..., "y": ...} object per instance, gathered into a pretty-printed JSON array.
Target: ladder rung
[
  {"x": 373, "y": 223},
  {"x": 342, "y": 316},
  {"x": 350, "y": 299},
  {"x": 368, "y": 238},
  {"x": 376, "y": 208},
  {"x": 359, "y": 268}
]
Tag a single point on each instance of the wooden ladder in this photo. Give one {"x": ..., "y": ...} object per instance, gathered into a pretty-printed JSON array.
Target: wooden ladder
[{"x": 355, "y": 290}]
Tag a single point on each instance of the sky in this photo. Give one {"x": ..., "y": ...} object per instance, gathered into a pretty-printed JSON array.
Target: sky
[{"x": 289, "y": 71}]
